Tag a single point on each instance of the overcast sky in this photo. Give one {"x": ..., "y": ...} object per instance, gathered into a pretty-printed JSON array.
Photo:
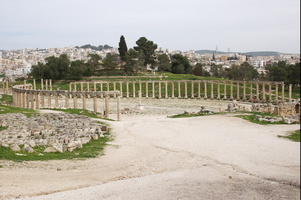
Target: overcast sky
[{"x": 240, "y": 25}]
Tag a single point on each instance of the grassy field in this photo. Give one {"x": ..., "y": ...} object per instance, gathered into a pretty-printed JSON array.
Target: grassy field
[{"x": 294, "y": 136}]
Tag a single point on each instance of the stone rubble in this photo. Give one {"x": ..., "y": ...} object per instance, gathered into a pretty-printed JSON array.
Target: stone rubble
[{"x": 58, "y": 132}]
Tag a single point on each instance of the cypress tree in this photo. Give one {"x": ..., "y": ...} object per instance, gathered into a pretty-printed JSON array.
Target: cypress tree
[{"x": 122, "y": 48}]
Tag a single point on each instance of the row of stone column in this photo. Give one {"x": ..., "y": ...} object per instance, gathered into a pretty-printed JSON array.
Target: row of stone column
[
  {"x": 5, "y": 87},
  {"x": 198, "y": 89},
  {"x": 24, "y": 96}
]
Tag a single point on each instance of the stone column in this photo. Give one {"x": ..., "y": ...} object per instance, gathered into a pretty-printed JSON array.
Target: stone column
[
  {"x": 84, "y": 102},
  {"x": 263, "y": 92},
  {"x": 32, "y": 101},
  {"x": 212, "y": 94},
  {"x": 95, "y": 103},
  {"x": 218, "y": 91},
  {"x": 107, "y": 109},
  {"x": 75, "y": 101},
  {"x": 23, "y": 99},
  {"x": 28, "y": 97},
  {"x": 42, "y": 100},
  {"x": 270, "y": 92},
  {"x": 42, "y": 84},
  {"x": 120, "y": 89},
  {"x": 257, "y": 91},
  {"x": 244, "y": 91},
  {"x": 237, "y": 91},
  {"x": 160, "y": 90},
  {"x": 192, "y": 89},
  {"x": 81, "y": 86},
  {"x": 46, "y": 84},
  {"x": 50, "y": 84},
  {"x": 282, "y": 95},
  {"x": 185, "y": 90},
  {"x": 67, "y": 105},
  {"x": 251, "y": 91},
  {"x": 146, "y": 89},
  {"x": 34, "y": 84},
  {"x": 134, "y": 89},
  {"x": 153, "y": 84},
  {"x": 179, "y": 89},
  {"x": 114, "y": 88},
  {"x": 88, "y": 86},
  {"x": 7, "y": 87},
  {"x": 127, "y": 90},
  {"x": 49, "y": 101},
  {"x": 56, "y": 101},
  {"x": 166, "y": 90},
  {"x": 37, "y": 101},
  {"x": 118, "y": 109},
  {"x": 70, "y": 87},
  {"x": 94, "y": 86},
  {"x": 172, "y": 90},
  {"x": 205, "y": 90},
  {"x": 199, "y": 89},
  {"x": 290, "y": 92},
  {"x": 101, "y": 89},
  {"x": 276, "y": 92},
  {"x": 225, "y": 90},
  {"x": 108, "y": 86}
]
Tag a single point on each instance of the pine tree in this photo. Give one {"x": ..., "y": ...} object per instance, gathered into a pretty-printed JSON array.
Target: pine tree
[{"x": 122, "y": 48}]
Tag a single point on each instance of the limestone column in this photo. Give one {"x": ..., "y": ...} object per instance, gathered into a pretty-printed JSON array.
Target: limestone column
[
  {"x": 37, "y": 101},
  {"x": 42, "y": 100},
  {"x": 244, "y": 91},
  {"x": 225, "y": 90},
  {"x": 81, "y": 86},
  {"x": 118, "y": 109},
  {"x": 46, "y": 84},
  {"x": 199, "y": 89},
  {"x": 263, "y": 92},
  {"x": 101, "y": 89},
  {"x": 27, "y": 100},
  {"x": 114, "y": 88},
  {"x": 159, "y": 89},
  {"x": 282, "y": 95},
  {"x": 290, "y": 92},
  {"x": 88, "y": 86},
  {"x": 205, "y": 90},
  {"x": 32, "y": 101},
  {"x": 127, "y": 89},
  {"x": 185, "y": 90},
  {"x": 49, "y": 101},
  {"x": 134, "y": 89},
  {"x": 270, "y": 92},
  {"x": 120, "y": 89},
  {"x": 67, "y": 105},
  {"x": 7, "y": 86},
  {"x": 257, "y": 91},
  {"x": 251, "y": 91},
  {"x": 172, "y": 90},
  {"x": 153, "y": 85},
  {"x": 218, "y": 91},
  {"x": 146, "y": 89},
  {"x": 237, "y": 91},
  {"x": 179, "y": 89},
  {"x": 212, "y": 94},
  {"x": 24, "y": 99},
  {"x": 70, "y": 86},
  {"x": 95, "y": 103},
  {"x": 50, "y": 84},
  {"x": 94, "y": 86},
  {"x": 107, "y": 109},
  {"x": 166, "y": 90},
  {"x": 84, "y": 102},
  {"x": 56, "y": 101},
  {"x": 192, "y": 89},
  {"x": 75, "y": 101},
  {"x": 34, "y": 84},
  {"x": 42, "y": 84},
  {"x": 276, "y": 92}
]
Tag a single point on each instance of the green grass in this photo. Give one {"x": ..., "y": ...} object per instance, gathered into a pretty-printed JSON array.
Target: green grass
[
  {"x": 89, "y": 150},
  {"x": 10, "y": 109},
  {"x": 6, "y": 99},
  {"x": 186, "y": 115},
  {"x": 294, "y": 136}
]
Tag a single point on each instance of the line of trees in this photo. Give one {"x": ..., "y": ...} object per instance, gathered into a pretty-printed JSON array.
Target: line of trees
[{"x": 143, "y": 56}]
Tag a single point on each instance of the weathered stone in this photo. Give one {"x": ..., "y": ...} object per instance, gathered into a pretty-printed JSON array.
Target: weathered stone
[
  {"x": 15, "y": 147},
  {"x": 50, "y": 150},
  {"x": 28, "y": 149}
]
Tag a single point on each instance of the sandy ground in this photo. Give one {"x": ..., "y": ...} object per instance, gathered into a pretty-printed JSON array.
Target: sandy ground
[{"x": 155, "y": 157}]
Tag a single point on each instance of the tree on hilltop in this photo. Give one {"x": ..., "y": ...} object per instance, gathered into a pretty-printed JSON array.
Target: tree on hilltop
[{"x": 147, "y": 48}]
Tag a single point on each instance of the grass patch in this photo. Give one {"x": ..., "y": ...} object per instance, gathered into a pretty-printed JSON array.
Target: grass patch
[
  {"x": 6, "y": 99},
  {"x": 10, "y": 109},
  {"x": 89, "y": 150},
  {"x": 294, "y": 136},
  {"x": 186, "y": 114}
]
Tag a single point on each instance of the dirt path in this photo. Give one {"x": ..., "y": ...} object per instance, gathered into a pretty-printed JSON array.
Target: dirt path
[{"x": 154, "y": 157}]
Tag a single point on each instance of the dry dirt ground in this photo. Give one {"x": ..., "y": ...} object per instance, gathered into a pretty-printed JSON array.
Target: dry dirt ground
[{"x": 155, "y": 157}]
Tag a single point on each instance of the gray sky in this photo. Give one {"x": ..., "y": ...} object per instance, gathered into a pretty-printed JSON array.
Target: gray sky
[{"x": 241, "y": 25}]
